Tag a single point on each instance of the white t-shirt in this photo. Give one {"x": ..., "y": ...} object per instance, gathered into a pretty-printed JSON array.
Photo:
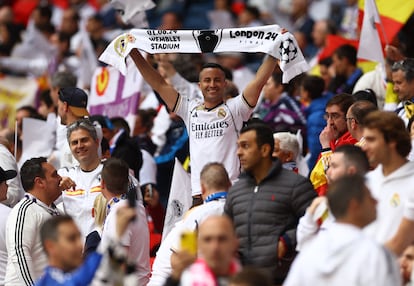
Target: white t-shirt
[
  {"x": 136, "y": 238},
  {"x": 4, "y": 214},
  {"x": 395, "y": 198},
  {"x": 213, "y": 134},
  {"x": 79, "y": 203}
]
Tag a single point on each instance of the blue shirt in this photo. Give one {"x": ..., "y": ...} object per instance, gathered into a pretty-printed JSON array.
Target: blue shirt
[{"x": 79, "y": 277}]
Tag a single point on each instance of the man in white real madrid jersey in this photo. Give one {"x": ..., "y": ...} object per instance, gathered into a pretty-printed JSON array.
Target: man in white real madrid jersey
[
  {"x": 78, "y": 201},
  {"x": 85, "y": 183},
  {"x": 26, "y": 259},
  {"x": 387, "y": 144},
  {"x": 213, "y": 125}
]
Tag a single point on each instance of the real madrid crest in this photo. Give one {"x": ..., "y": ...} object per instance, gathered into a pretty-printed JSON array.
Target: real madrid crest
[
  {"x": 395, "y": 200},
  {"x": 221, "y": 112},
  {"x": 121, "y": 43}
]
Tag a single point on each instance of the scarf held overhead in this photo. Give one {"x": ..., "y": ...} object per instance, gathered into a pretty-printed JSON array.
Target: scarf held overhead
[{"x": 265, "y": 39}]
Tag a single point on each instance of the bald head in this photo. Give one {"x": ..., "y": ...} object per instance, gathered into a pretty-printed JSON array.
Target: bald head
[
  {"x": 217, "y": 243},
  {"x": 216, "y": 221}
]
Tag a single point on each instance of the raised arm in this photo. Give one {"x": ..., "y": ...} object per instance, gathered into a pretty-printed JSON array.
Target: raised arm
[
  {"x": 252, "y": 91},
  {"x": 154, "y": 79}
]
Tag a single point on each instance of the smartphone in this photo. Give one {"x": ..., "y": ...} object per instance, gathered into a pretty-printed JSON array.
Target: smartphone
[
  {"x": 132, "y": 198},
  {"x": 188, "y": 242}
]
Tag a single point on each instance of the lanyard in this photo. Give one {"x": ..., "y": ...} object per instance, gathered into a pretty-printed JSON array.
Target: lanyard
[
  {"x": 113, "y": 201},
  {"x": 216, "y": 197}
]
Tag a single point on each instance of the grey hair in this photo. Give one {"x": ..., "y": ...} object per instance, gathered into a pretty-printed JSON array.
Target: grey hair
[
  {"x": 63, "y": 79},
  {"x": 84, "y": 124},
  {"x": 288, "y": 142}
]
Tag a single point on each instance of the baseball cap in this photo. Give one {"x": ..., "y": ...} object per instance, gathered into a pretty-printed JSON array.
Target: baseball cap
[
  {"x": 77, "y": 100},
  {"x": 7, "y": 175}
]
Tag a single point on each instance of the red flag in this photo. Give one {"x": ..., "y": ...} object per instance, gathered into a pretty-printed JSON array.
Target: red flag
[{"x": 332, "y": 43}]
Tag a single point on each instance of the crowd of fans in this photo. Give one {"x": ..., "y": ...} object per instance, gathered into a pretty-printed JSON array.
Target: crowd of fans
[{"x": 299, "y": 183}]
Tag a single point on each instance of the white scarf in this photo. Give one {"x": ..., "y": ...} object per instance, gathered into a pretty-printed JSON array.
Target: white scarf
[{"x": 266, "y": 39}]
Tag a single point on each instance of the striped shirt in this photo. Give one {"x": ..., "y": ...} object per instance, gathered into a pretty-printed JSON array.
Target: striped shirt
[{"x": 26, "y": 259}]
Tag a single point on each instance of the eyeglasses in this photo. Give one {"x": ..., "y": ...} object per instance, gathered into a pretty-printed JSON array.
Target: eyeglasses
[
  {"x": 334, "y": 116},
  {"x": 404, "y": 65}
]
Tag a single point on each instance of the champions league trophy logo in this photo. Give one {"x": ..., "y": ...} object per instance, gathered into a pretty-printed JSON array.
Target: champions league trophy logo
[
  {"x": 207, "y": 40},
  {"x": 288, "y": 51}
]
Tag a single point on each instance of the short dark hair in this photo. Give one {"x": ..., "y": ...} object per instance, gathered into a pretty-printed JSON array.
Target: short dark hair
[
  {"x": 392, "y": 128},
  {"x": 115, "y": 173},
  {"x": 213, "y": 66},
  {"x": 366, "y": 95},
  {"x": 120, "y": 123},
  {"x": 45, "y": 11},
  {"x": 31, "y": 110},
  {"x": 264, "y": 134},
  {"x": 49, "y": 229},
  {"x": 147, "y": 117},
  {"x": 361, "y": 109},
  {"x": 96, "y": 17},
  {"x": 46, "y": 98},
  {"x": 327, "y": 62},
  {"x": 215, "y": 176},
  {"x": 63, "y": 37},
  {"x": 252, "y": 10},
  {"x": 277, "y": 78},
  {"x": 31, "y": 169},
  {"x": 407, "y": 66},
  {"x": 354, "y": 156},
  {"x": 314, "y": 85},
  {"x": 342, "y": 191},
  {"x": 348, "y": 52},
  {"x": 343, "y": 100},
  {"x": 104, "y": 145},
  {"x": 76, "y": 17}
]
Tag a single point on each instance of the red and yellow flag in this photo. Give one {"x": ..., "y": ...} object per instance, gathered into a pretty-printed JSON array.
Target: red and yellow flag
[{"x": 393, "y": 15}]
